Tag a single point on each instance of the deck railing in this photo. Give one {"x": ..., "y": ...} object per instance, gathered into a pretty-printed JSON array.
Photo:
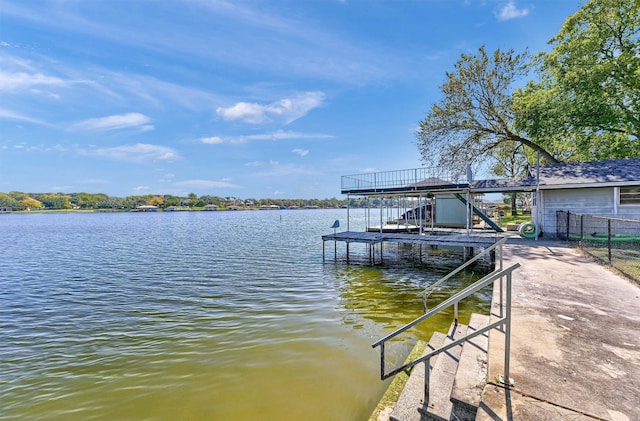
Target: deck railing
[
  {"x": 504, "y": 322},
  {"x": 416, "y": 178}
]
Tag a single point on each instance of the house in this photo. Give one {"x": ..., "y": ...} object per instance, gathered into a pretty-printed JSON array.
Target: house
[
  {"x": 146, "y": 208},
  {"x": 608, "y": 188},
  {"x": 211, "y": 207}
]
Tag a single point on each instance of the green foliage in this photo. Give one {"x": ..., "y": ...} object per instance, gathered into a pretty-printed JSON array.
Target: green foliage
[
  {"x": 584, "y": 106},
  {"x": 90, "y": 201},
  {"x": 474, "y": 119},
  {"x": 30, "y": 203},
  {"x": 587, "y": 103}
]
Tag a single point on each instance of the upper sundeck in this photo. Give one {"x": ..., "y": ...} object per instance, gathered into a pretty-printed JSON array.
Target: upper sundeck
[{"x": 426, "y": 179}]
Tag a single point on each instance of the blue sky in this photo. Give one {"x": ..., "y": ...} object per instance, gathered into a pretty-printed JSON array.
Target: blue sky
[{"x": 255, "y": 99}]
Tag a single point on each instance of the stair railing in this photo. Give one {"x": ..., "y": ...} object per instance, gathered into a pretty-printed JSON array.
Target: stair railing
[
  {"x": 491, "y": 249},
  {"x": 504, "y": 322}
]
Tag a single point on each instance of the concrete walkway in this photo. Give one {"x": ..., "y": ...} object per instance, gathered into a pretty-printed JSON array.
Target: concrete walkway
[{"x": 575, "y": 347}]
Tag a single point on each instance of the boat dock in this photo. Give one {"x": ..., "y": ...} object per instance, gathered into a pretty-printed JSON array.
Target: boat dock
[
  {"x": 422, "y": 207},
  {"x": 444, "y": 238}
]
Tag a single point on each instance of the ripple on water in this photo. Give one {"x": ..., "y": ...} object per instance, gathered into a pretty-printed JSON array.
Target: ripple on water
[{"x": 165, "y": 316}]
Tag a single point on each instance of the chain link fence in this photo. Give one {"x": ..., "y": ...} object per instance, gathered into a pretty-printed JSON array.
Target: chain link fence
[{"x": 614, "y": 241}]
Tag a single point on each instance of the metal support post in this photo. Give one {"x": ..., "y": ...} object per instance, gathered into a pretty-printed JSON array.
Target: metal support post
[
  {"x": 609, "y": 239},
  {"x": 507, "y": 336},
  {"x": 427, "y": 377}
]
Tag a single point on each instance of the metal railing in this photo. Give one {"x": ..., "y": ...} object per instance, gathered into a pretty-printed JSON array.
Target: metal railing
[
  {"x": 496, "y": 246},
  {"x": 504, "y": 321},
  {"x": 614, "y": 241},
  {"x": 416, "y": 178}
]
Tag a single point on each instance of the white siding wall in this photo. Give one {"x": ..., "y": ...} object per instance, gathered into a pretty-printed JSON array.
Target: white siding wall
[
  {"x": 450, "y": 211},
  {"x": 595, "y": 201}
]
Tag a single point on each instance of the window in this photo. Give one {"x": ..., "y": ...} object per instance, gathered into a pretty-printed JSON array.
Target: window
[{"x": 630, "y": 195}]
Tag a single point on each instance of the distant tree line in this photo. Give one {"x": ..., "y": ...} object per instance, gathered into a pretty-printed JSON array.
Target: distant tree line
[{"x": 100, "y": 201}]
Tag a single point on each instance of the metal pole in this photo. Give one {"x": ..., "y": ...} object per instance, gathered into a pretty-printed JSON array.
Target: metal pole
[
  {"x": 468, "y": 213},
  {"x": 609, "y": 238},
  {"x": 420, "y": 211},
  {"x": 507, "y": 336},
  {"x": 382, "y": 360},
  {"x": 381, "y": 204},
  {"x": 501, "y": 284},
  {"x": 348, "y": 206},
  {"x": 537, "y": 221},
  {"x": 427, "y": 376}
]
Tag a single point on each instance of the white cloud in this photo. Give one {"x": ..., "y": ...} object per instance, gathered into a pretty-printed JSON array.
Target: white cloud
[
  {"x": 213, "y": 140},
  {"x": 20, "y": 80},
  {"x": 285, "y": 110},
  {"x": 140, "y": 152},
  {"x": 273, "y": 136},
  {"x": 511, "y": 11},
  {"x": 10, "y": 115},
  {"x": 248, "y": 112},
  {"x": 301, "y": 152},
  {"x": 205, "y": 184},
  {"x": 114, "y": 122},
  {"x": 60, "y": 188},
  {"x": 167, "y": 178},
  {"x": 286, "y": 170},
  {"x": 271, "y": 163}
]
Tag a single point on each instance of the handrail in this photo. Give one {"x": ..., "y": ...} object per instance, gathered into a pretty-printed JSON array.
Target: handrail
[
  {"x": 475, "y": 287},
  {"x": 412, "y": 178},
  {"x": 427, "y": 291},
  {"x": 503, "y": 321}
]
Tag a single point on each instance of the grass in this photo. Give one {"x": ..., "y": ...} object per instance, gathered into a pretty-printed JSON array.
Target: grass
[
  {"x": 604, "y": 238},
  {"x": 508, "y": 219},
  {"x": 624, "y": 260},
  {"x": 396, "y": 386}
]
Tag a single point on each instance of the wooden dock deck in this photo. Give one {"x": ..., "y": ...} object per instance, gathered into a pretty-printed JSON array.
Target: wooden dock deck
[{"x": 436, "y": 238}]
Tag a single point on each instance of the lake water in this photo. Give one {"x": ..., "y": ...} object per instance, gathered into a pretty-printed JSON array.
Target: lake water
[{"x": 199, "y": 315}]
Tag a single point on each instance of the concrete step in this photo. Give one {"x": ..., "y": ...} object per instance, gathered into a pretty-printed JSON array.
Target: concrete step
[
  {"x": 439, "y": 406},
  {"x": 406, "y": 408},
  {"x": 471, "y": 375}
]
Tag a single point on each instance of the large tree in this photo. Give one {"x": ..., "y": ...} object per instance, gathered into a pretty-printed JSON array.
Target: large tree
[
  {"x": 587, "y": 101},
  {"x": 584, "y": 106},
  {"x": 474, "y": 120}
]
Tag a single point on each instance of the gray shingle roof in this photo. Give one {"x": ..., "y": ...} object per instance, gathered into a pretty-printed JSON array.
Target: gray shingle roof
[{"x": 614, "y": 172}]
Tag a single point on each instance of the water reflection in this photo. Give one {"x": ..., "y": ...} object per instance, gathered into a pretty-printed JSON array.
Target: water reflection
[
  {"x": 197, "y": 315},
  {"x": 380, "y": 299}
]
